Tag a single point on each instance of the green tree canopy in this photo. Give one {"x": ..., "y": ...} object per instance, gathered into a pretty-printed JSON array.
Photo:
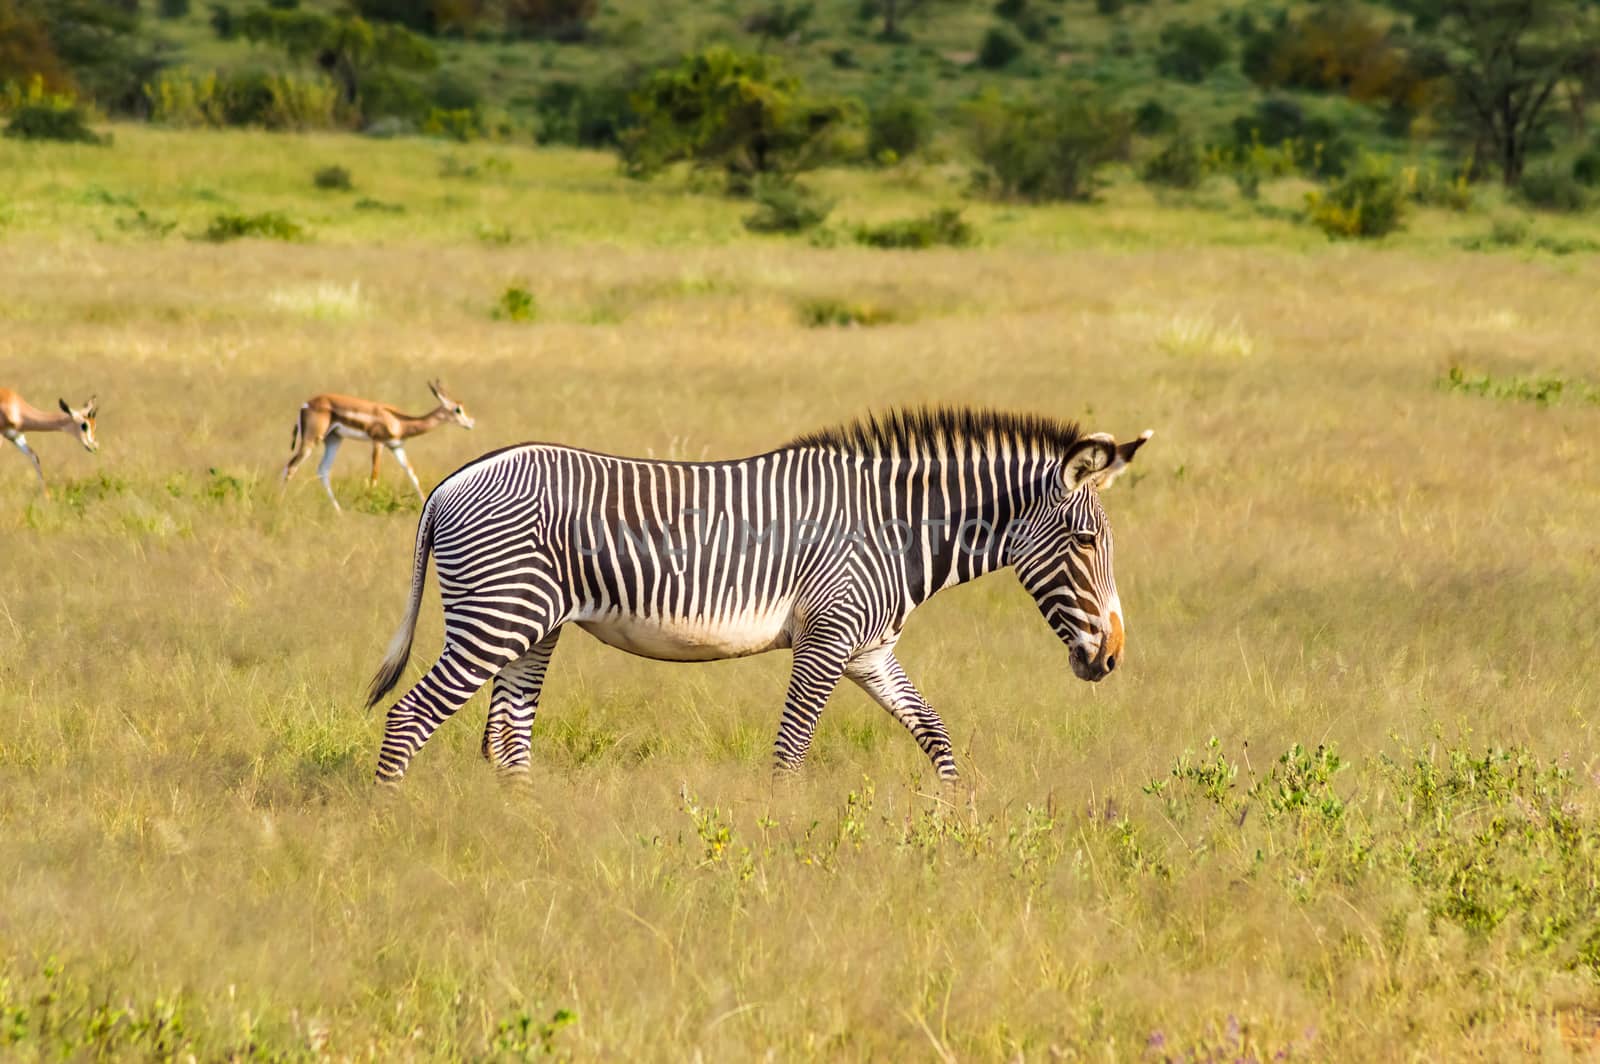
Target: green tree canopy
[{"x": 347, "y": 47}]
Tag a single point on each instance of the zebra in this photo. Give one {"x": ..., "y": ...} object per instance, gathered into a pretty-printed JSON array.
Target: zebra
[{"x": 823, "y": 546}]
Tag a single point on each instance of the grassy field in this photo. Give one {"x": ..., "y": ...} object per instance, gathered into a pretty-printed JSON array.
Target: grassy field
[{"x": 1341, "y": 803}]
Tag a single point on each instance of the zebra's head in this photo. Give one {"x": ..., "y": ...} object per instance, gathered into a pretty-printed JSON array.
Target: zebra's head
[
  {"x": 83, "y": 423},
  {"x": 457, "y": 412},
  {"x": 1062, "y": 554}
]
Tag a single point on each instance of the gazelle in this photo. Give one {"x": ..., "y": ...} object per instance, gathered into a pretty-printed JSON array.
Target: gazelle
[
  {"x": 331, "y": 419},
  {"x": 18, "y": 416}
]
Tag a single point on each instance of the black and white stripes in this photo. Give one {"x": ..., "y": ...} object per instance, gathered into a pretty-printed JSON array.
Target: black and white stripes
[{"x": 823, "y": 546}]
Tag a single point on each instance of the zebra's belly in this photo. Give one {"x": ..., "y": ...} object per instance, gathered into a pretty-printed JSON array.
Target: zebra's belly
[{"x": 692, "y": 638}]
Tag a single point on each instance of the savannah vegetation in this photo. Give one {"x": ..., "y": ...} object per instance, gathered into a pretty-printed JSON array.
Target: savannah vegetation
[{"x": 1342, "y": 801}]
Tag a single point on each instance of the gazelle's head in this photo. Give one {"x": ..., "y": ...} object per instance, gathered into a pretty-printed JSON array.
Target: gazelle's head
[
  {"x": 82, "y": 423},
  {"x": 1063, "y": 554},
  {"x": 457, "y": 412}
]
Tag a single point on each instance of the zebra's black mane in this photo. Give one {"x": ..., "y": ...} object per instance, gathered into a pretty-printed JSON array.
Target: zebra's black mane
[{"x": 929, "y": 428}]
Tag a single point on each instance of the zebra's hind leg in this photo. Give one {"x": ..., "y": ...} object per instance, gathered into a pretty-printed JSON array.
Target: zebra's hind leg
[
  {"x": 880, "y": 674},
  {"x": 444, "y": 689},
  {"x": 508, "y": 735},
  {"x": 818, "y": 665}
]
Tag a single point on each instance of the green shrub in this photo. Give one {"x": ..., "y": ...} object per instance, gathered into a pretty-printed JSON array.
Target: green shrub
[
  {"x": 1366, "y": 204},
  {"x": 587, "y": 115},
  {"x": 1548, "y": 189},
  {"x": 1152, "y": 117},
  {"x": 785, "y": 207},
  {"x": 516, "y": 303},
  {"x": 1431, "y": 188},
  {"x": 68, "y": 123},
  {"x": 461, "y": 126},
  {"x": 244, "y": 97},
  {"x": 146, "y": 225},
  {"x": 941, "y": 227},
  {"x": 1048, "y": 149},
  {"x": 1108, "y": 7},
  {"x": 736, "y": 112},
  {"x": 1181, "y": 164},
  {"x": 366, "y": 203},
  {"x": 1586, "y": 168},
  {"x": 1278, "y": 121},
  {"x": 222, "y": 24},
  {"x": 268, "y": 225},
  {"x": 897, "y": 127},
  {"x": 1190, "y": 51},
  {"x": 333, "y": 178},
  {"x": 173, "y": 8},
  {"x": 1000, "y": 48}
]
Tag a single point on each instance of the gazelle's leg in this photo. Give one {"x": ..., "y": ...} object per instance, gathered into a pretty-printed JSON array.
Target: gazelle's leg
[
  {"x": 508, "y": 734},
  {"x": 405, "y": 463},
  {"x": 330, "y": 448},
  {"x": 22, "y": 445},
  {"x": 377, "y": 449},
  {"x": 880, "y": 674},
  {"x": 309, "y": 431},
  {"x": 819, "y": 662}
]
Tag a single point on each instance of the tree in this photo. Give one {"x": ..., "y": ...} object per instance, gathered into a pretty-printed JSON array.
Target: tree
[
  {"x": 730, "y": 110},
  {"x": 91, "y": 46},
  {"x": 1504, "y": 61}
]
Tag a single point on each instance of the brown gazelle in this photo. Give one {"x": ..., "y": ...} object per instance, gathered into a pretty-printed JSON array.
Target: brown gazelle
[
  {"x": 331, "y": 419},
  {"x": 18, "y": 416}
]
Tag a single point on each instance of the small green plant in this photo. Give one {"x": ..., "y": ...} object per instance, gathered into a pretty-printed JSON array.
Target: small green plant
[
  {"x": 332, "y": 178},
  {"x": 785, "y": 207},
  {"x": 943, "y": 226},
  {"x": 495, "y": 235},
  {"x": 1364, "y": 205},
  {"x": 268, "y": 225},
  {"x": 523, "y": 1037},
  {"x": 516, "y": 303},
  {"x": 366, "y": 203},
  {"x": 144, "y": 224},
  {"x": 828, "y": 311},
  {"x": 1535, "y": 389}
]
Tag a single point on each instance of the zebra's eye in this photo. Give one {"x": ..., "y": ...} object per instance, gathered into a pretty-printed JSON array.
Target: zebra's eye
[{"x": 1084, "y": 539}]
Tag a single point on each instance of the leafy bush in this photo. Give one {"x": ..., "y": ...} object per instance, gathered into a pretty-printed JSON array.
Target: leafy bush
[
  {"x": 1334, "y": 48},
  {"x": 897, "y": 127},
  {"x": 731, "y": 111},
  {"x": 587, "y": 115},
  {"x": 941, "y": 227},
  {"x": 246, "y": 97},
  {"x": 516, "y": 303},
  {"x": 1548, "y": 189},
  {"x": 1000, "y": 48},
  {"x": 1278, "y": 121},
  {"x": 1048, "y": 149},
  {"x": 1586, "y": 168},
  {"x": 222, "y": 24},
  {"x": 1152, "y": 117},
  {"x": 1190, "y": 51},
  {"x": 785, "y": 207},
  {"x": 335, "y": 178},
  {"x": 1181, "y": 164},
  {"x": 1427, "y": 186},
  {"x": 1368, "y": 203},
  {"x": 560, "y": 20},
  {"x": 269, "y": 225},
  {"x": 50, "y": 121},
  {"x": 173, "y": 8}
]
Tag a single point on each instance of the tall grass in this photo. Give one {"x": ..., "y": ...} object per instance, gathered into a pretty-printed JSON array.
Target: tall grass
[{"x": 1323, "y": 547}]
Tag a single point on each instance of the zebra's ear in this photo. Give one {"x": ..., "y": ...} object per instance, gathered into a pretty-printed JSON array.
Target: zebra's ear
[
  {"x": 1119, "y": 465},
  {"x": 1088, "y": 457}
]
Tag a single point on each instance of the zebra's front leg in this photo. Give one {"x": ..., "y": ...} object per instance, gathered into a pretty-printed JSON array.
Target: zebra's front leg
[
  {"x": 508, "y": 735},
  {"x": 818, "y": 665},
  {"x": 880, "y": 674},
  {"x": 444, "y": 689}
]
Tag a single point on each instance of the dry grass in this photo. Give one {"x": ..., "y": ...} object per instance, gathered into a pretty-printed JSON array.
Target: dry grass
[{"x": 1321, "y": 546}]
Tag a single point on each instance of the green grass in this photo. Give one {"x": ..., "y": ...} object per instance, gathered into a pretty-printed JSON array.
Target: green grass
[{"x": 1326, "y": 544}]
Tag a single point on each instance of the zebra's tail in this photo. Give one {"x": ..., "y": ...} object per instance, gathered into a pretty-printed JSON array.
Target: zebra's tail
[{"x": 394, "y": 662}]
